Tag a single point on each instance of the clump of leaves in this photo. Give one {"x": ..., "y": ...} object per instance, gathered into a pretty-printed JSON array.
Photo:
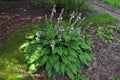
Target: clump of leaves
[
  {"x": 115, "y": 28},
  {"x": 107, "y": 34},
  {"x": 81, "y": 77},
  {"x": 62, "y": 50}
]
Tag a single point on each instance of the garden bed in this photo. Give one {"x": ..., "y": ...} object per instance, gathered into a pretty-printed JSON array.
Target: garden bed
[{"x": 13, "y": 17}]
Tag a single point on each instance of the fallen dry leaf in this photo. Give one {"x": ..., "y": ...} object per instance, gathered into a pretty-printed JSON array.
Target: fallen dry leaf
[{"x": 37, "y": 19}]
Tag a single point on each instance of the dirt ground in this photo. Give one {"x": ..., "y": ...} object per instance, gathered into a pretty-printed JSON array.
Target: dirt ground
[
  {"x": 107, "y": 63},
  {"x": 15, "y": 15},
  {"x": 103, "y": 7}
]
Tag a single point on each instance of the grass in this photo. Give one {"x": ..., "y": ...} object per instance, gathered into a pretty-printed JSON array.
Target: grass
[
  {"x": 112, "y": 2},
  {"x": 100, "y": 19},
  {"x": 118, "y": 79},
  {"x": 11, "y": 60}
]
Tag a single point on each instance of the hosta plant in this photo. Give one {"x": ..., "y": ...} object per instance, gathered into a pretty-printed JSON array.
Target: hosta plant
[{"x": 61, "y": 48}]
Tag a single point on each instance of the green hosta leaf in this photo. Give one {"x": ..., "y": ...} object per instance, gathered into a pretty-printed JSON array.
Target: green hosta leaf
[
  {"x": 32, "y": 68},
  {"x": 44, "y": 51},
  {"x": 65, "y": 52},
  {"x": 36, "y": 33},
  {"x": 74, "y": 55},
  {"x": 74, "y": 38},
  {"x": 74, "y": 45},
  {"x": 66, "y": 44},
  {"x": 81, "y": 38},
  {"x": 72, "y": 52},
  {"x": 79, "y": 65},
  {"x": 51, "y": 32},
  {"x": 24, "y": 45},
  {"x": 46, "y": 42},
  {"x": 69, "y": 73},
  {"x": 34, "y": 42},
  {"x": 34, "y": 56},
  {"x": 83, "y": 59},
  {"x": 65, "y": 36},
  {"x": 48, "y": 23},
  {"x": 59, "y": 51},
  {"x": 85, "y": 46},
  {"x": 54, "y": 50},
  {"x": 62, "y": 68},
  {"x": 71, "y": 58},
  {"x": 65, "y": 60},
  {"x": 48, "y": 66},
  {"x": 82, "y": 77},
  {"x": 55, "y": 57},
  {"x": 92, "y": 56},
  {"x": 27, "y": 57},
  {"x": 88, "y": 57},
  {"x": 80, "y": 51},
  {"x": 73, "y": 67},
  {"x": 44, "y": 59},
  {"x": 30, "y": 37},
  {"x": 49, "y": 71},
  {"x": 56, "y": 66},
  {"x": 52, "y": 59},
  {"x": 28, "y": 49}
]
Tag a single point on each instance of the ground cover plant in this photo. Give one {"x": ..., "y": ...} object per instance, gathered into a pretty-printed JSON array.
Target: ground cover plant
[
  {"x": 107, "y": 34},
  {"x": 62, "y": 50},
  {"x": 113, "y": 2}
]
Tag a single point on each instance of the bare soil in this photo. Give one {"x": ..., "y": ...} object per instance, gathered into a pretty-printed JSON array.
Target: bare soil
[
  {"x": 107, "y": 63},
  {"x": 17, "y": 14},
  {"x": 102, "y": 8}
]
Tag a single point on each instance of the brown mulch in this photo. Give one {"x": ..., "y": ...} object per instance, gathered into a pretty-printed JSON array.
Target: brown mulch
[
  {"x": 15, "y": 15},
  {"x": 107, "y": 63}
]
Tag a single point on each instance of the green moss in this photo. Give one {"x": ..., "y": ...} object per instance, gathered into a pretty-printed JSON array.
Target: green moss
[
  {"x": 11, "y": 60},
  {"x": 113, "y": 2}
]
